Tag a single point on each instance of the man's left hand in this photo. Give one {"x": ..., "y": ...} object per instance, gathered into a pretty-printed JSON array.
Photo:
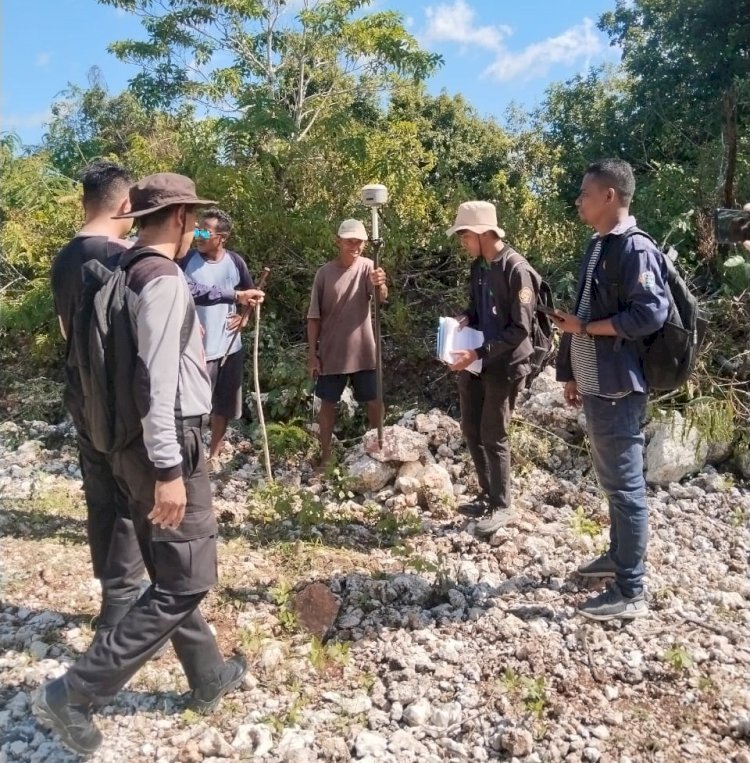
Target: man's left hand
[
  {"x": 567, "y": 323},
  {"x": 463, "y": 359},
  {"x": 377, "y": 277},
  {"x": 234, "y": 322}
]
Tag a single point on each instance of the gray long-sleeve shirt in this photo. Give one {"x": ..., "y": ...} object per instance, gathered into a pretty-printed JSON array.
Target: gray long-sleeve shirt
[{"x": 158, "y": 300}]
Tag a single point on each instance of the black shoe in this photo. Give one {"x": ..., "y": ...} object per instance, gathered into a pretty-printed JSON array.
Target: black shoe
[
  {"x": 601, "y": 567},
  {"x": 204, "y": 699},
  {"x": 612, "y": 604},
  {"x": 497, "y": 520},
  {"x": 68, "y": 714},
  {"x": 476, "y": 508}
]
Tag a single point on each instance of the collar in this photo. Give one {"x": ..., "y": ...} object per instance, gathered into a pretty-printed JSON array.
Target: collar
[
  {"x": 487, "y": 265},
  {"x": 620, "y": 228}
]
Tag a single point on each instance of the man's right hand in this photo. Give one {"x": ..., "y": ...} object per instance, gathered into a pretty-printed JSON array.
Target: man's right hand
[
  {"x": 570, "y": 393},
  {"x": 250, "y": 297},
  {"x": 463, "y": 321},
  {"x": 170, "y": 500},
  {"x": 313, "y": 366}
]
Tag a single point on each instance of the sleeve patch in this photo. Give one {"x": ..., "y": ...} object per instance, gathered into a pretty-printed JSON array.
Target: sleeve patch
[
  {"x": 525, "y": 295},
  {"x": 647, "y": 280}
]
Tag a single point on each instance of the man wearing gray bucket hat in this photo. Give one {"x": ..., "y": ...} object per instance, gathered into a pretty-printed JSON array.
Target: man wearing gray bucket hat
[
  {"x": 163, "y": 473},
  {"x": 502, "y": 302}
]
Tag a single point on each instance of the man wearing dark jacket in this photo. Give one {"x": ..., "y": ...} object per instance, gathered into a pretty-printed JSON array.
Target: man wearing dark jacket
[
  {"x": 502, "y": 303},
  {"x": 599, "y": 363},
  {"x": 163, "y": 473}
]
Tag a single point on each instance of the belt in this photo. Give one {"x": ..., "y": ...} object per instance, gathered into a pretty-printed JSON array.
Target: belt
[{"x": 199, "y": 422}]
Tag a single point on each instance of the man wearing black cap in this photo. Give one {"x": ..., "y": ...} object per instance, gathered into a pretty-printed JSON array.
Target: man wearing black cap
[{"x": 163, "y": 473}]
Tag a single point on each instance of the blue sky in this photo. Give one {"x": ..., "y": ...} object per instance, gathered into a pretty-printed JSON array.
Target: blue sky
[{"x": 495, "y": 51}]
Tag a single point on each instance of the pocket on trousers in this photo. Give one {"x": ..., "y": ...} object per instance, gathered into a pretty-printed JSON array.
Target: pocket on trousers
[
  {"x": 199, "y": 520},
  {"x": 185, "y": 567}
]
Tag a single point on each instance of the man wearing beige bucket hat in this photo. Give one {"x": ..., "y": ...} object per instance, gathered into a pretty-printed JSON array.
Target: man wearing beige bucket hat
[
  {"x": 341, "y": 342},
  {"x": 502, "y": 303},
  {"x": 162, "y": 471}
]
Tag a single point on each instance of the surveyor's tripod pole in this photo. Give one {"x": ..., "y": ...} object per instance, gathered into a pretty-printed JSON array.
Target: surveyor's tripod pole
[{"x": 377, "y": 243}]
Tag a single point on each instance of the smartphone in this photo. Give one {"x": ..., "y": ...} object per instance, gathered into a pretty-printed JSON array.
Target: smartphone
[
  {"x": 732, "y": 225},
  {"x": 546, "y": 310}
]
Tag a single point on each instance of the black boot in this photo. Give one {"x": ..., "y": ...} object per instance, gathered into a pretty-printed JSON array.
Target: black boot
[
  {"x": 207, "y": 694},
  {"x": 67, "y": 713},
  {"x": 475, "y": 509}
]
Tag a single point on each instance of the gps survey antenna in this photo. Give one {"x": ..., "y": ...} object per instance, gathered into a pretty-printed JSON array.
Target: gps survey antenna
[{"x": 374, "y": 197}]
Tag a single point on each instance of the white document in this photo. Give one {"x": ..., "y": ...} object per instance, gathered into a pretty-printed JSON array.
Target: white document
[{"x": 452, "y": 338}]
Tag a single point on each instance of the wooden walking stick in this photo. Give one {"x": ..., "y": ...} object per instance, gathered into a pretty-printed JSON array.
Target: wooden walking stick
[
  {"x": 374, "y": 196},
  {"x": 256, "y": 378},
  {"x": 244, "y": 313}
]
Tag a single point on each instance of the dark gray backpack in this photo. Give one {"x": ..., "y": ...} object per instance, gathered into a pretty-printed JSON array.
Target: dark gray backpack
[
  {"x": 106, "y": 354},
  {"x": 668, "y": 355}
]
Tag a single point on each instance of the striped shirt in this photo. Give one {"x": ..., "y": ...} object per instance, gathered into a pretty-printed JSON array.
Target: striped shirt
[{"x": 583, "y": 347}]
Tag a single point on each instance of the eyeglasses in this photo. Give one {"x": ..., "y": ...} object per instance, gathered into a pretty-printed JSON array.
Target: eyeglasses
[{"x": 202, "y": 233}]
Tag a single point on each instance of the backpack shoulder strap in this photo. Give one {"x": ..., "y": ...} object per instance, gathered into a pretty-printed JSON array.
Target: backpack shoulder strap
[{"x": 613, "y": 255}]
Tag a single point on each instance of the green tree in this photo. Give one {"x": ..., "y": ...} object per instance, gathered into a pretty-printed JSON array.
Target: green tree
[
  {"x": 258, "y": 61},
  {"x": 689, "y": 61}
]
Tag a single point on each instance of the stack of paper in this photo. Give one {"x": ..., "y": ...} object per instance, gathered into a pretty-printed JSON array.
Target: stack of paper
[{"x": 452, "y": 338}]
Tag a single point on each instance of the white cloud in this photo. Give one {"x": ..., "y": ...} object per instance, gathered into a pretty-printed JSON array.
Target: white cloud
[
  {"x": 43, "y": 58},
  {"x": 31, "y": 121},
  {"x": 579, "y": 43},
  {"x": 456, "y": 22}
]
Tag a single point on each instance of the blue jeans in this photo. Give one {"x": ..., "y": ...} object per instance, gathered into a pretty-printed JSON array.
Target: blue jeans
[{"x": 614, "y": 430}]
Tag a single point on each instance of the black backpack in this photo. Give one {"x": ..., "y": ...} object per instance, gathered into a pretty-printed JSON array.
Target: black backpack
[
  {"x": 542, "y": 330},
  {"x": 669, "y": 354},
  {"x": 106, "y": 355}
]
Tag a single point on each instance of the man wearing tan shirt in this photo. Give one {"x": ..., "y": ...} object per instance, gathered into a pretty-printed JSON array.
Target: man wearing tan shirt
[{"x": 339, "y": 330}]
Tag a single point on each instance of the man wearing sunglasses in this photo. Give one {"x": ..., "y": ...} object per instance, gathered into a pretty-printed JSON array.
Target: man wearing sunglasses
[{"x": 212, "y": 265}]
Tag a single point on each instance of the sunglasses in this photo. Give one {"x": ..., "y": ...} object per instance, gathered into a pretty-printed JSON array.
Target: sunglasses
[{"x": 202, "y": 233}]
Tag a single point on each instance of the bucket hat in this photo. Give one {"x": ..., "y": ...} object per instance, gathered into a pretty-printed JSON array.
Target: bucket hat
[{"x": 476, "y": 216}]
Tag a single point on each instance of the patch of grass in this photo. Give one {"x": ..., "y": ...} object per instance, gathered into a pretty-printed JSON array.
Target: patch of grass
[
  {"x": 706, "y": 685},
  {"x": 392, "y": 525},
  {"x": 678, "y": 658},
  {"x": 251, "y": 640},
  {"x": 535, "y": 698},
  {"x": 324, "y": 656},
  {"x": 289, "y": 717},
  {"x": 281, "y": 596},
  {"x": 367, "y": 681},
  {"x": 738, "y": 518},
  {"x": 277, "y": 503},
  {"x": 190, "y": 717},
  {"x": 510, "y": 680},
  {"x": 338, "y": 483},
  {"x": 583, "y": 525},
  {"x": 288, "y": 440},
  {"x": 55, "y": 504}
]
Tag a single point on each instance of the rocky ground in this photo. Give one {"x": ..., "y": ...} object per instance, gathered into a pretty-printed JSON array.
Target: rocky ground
[{"x": 443, "y": 647}]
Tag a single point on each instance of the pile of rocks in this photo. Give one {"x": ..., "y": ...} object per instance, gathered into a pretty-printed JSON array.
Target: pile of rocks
[{"x": 420, "y": 458}]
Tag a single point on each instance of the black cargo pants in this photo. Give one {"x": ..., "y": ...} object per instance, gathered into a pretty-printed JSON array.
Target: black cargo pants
[
  {"x": 182, "y": 565},
  {"x": 487, "y": 405},
  {"x": 115, "y": 553}
]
